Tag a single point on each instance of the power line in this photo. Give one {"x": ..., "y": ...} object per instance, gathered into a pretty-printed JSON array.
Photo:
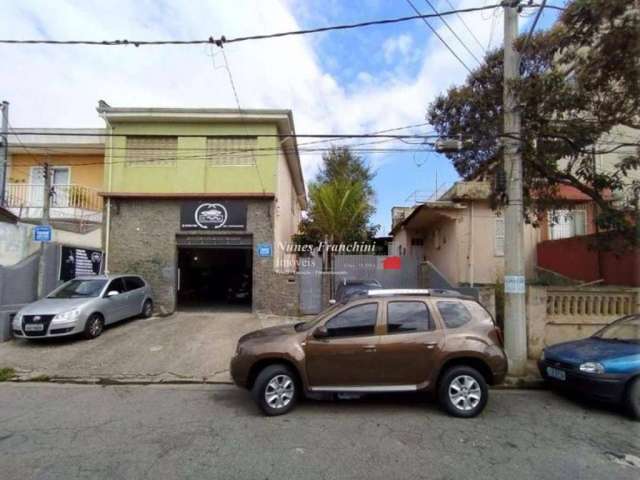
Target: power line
[
  {"x": 223, "y": 40},
  {"x": 200, "y": 135},
  {"x": 467, "y": 27},
  {"x": 433, "y": 30},
  {"x": 454, "y": 32}
]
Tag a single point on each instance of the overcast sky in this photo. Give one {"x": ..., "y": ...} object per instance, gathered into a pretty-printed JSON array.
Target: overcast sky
[{"x": 352, "y": 81}]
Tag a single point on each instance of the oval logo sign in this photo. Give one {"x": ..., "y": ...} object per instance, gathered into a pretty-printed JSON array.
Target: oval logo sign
[{"x": 211, "y": 215}]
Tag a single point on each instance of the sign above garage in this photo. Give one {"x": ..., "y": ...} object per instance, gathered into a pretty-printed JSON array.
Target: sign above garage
[{"x": 213, "y": 215}]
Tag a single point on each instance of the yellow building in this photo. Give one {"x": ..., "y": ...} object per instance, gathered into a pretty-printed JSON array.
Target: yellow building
[{"x": 75, "y": 158}]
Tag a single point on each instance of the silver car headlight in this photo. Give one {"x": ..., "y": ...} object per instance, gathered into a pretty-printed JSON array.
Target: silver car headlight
[
  {"x": 68, "y": 316},
  {"x": 17, "y": 320},
  {"x": 591, "y": 367}
]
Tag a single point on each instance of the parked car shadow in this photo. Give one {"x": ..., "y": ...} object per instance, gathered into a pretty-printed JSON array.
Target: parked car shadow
[
  {"x": 242, "y": 401},
  {"x": 36, "y": 342},
  {"x": 589, "y": 403}
]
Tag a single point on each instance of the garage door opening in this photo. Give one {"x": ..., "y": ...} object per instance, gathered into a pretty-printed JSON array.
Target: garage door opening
[{"x": 214, "y": 278}]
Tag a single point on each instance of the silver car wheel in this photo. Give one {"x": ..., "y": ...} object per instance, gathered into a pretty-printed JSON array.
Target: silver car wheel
[
  {"x": 279, "y": 391},
  {"x": 465, "y": 393},
  {"x": 95, "y": 327}
]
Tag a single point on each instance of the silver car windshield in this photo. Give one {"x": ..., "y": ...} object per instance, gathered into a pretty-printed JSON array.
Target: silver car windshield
[{"x": 79, "y": 289}]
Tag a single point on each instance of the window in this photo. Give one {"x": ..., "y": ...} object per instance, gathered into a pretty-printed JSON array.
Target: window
[
  {"x": 566, "y": 223},
  {"x": 117, "y": 285},
  {"x": 151, "y": 151},
  {"x": 479, "y": 312},
  {"x": 223, "y": 151},
  {"x": 407, "y": 317},
  {"x": 134, "y": 283},
  {"x": 454, "y": 314},
  {"x": 417, "y": 242},
  {"x": 499, "y": 237},
  {"x": 358, "y": 320}
]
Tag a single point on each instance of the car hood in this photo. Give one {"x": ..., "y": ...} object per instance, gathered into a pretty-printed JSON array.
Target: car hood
[
  {"x": 269, "y": 333},
  {"x": 52, "y": 306},
  {"x": 592, "y": 350}
]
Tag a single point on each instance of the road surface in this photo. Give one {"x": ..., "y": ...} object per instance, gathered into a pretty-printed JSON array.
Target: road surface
[{"x": 160, "y": 432}]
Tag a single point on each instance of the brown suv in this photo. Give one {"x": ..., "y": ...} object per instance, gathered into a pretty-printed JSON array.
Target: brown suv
[{"x": 380, "y": 341}]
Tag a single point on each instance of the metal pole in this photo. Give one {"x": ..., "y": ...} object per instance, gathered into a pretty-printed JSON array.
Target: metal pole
[
  {"x": 45, "y": 221},
  {"x": 4, "y": 151},
  {"x": 515, "y": 324}
]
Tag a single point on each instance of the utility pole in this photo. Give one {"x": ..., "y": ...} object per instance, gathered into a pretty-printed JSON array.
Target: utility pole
[
  {"x": 45, "y": 222},
  {"x": 515, "y": 321},
  {"x": 4, "y": 151}
]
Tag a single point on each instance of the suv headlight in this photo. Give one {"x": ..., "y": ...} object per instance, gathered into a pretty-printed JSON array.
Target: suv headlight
[
  {"x": 69, "y": 316},
  {"x": 17, "y": 320},
  {"x": 591, "y": 367}
]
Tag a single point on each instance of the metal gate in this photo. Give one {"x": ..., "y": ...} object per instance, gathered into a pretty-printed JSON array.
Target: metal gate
[
  {"x": 390, "y": 271},
  {"x": 310, "y": 284}
]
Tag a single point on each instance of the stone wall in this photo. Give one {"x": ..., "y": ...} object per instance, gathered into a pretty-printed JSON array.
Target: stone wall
[
  {"x": 143, "y": 240},
  {"x": 560, "y": 314}
]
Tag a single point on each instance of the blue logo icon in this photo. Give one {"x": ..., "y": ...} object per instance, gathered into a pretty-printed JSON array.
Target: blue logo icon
[{"x": 264, "y": 250}]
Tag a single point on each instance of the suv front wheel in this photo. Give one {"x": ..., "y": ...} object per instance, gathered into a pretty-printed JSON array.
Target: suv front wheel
[
  {"x": 275, "y": 390},
  {"x": 463, "y": 392}
]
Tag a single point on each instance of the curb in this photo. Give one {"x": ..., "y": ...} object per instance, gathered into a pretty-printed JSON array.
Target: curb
[{"x": 510, "y": 383}]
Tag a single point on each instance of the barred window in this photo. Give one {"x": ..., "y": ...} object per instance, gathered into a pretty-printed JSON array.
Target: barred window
[
  {"x": 151, "y": 151},
  {"x": 231, "y": 151}
]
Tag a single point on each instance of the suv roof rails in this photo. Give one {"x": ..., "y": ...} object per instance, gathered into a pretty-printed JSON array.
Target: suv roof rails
[{"x": 387, "y": 292}]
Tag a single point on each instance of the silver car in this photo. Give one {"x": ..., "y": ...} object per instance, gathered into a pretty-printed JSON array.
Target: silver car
[{"x": 84, "y": 305}]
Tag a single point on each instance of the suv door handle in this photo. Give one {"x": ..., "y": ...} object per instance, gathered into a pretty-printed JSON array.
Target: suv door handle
[
  {"x": 369, "y": 348},
  {"x": 430, "y": 344}
]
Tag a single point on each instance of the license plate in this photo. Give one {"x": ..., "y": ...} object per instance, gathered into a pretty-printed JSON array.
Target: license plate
[
  {"x": 34, "y": 327},
  {"x": 556, "y": 373}
]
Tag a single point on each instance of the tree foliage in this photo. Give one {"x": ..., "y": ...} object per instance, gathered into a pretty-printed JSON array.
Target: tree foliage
[
  {"x": 579, "y": 86},
  {"x": 340, "y": 200}
]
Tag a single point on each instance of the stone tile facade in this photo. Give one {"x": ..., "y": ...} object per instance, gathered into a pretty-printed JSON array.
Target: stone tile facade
[{"x": 142, "y": 240}]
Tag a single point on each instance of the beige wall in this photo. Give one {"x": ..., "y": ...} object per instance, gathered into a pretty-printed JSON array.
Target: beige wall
[
  {"x": 287, "y": 216},
  {"x": 442, "y": 248},
  {"x": 457, "y": 244}
]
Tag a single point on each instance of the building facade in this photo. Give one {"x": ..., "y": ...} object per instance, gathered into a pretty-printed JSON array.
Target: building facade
[
  {"x": 198, "y": 201},
  {"x": 75, "y": 157}
]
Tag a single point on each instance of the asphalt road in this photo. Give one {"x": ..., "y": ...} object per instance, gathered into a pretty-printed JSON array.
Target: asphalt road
[{"x": 215, "y": 432}]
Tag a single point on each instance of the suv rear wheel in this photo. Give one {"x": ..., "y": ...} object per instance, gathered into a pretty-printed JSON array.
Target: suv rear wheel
[
  {"x": 463, "y": 391},
  {"x": 275, "y": 390}
]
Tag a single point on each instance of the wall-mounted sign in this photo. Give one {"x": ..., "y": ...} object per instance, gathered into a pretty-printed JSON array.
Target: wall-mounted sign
[
  {"x": 42, "y": 233},
  {"x": 264, "y": 250},
  {"x": 213, "y": 215},
  {"x": 79, "y": 262},
  {"x": 514, "y": 284}
]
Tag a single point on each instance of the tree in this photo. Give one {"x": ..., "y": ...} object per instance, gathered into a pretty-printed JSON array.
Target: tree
[
  {"x": 340, "y": 200},
  {"x": 574, "y": 92}
]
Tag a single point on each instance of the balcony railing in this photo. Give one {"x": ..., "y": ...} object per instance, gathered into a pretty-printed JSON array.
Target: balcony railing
[{"x": 68, "y": 201}]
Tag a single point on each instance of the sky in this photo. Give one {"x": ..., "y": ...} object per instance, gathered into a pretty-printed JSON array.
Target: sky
[{"x": 352, "y": 81}]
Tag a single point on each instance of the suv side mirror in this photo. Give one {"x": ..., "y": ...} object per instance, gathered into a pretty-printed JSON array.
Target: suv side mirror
[
  {"x": 321, "y": 332},
  {"x": 112, "y": 293}
]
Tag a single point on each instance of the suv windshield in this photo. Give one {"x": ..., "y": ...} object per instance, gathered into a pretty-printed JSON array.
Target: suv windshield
[
  {"x": 79, "y": 289},
  {"x": 627, "y": 329},
  {"x": 302, "y": 326}
]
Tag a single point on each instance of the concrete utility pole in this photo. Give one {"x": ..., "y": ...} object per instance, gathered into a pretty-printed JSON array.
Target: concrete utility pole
[
  {"x": 45, "y": 221},
  {"x": 4, "y": 151},
  {"x": 515, "y": 318}
]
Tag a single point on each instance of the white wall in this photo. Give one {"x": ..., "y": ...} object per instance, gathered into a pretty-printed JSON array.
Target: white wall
[
  {"x": 16, "y": 241},
  {"x": 287, "y": 216}
]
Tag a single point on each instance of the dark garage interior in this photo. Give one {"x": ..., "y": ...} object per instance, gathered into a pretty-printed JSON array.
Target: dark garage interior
[{"x": 214, "y": 278}]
